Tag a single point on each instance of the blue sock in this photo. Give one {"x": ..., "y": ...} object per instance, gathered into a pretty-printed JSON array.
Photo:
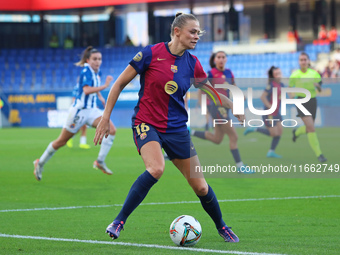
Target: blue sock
[
  {"x": 236, "y": 155},
  {"x": 263, "y": 131},
  {"x": 137, "y": 193},
  {"x": 275, "y": 142},
  {"x": 211, "y": 206},
  {"x": 199, "y": 134}
]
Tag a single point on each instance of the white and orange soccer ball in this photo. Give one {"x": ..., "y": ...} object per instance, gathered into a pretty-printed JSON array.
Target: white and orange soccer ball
[{"x": 185, "y": 230}]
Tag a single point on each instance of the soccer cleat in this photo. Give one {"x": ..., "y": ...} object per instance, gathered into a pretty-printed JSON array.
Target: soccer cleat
[
  {"x": 102, "y": 167},
  {"x": 245, "y": 170},
  {"x": 272, "y": 154},
  {"x": 228, "y": 235},
  {"x": 322, "y": 158},
  {"x": 84, "y": 146},
  {"x": 294, "y": 135},
  {"x": 70, "y": 143},
  {"x": 114, "y": 229},
  {"x": 37, "y": 170},
  {"x": 249, "y": 130}
]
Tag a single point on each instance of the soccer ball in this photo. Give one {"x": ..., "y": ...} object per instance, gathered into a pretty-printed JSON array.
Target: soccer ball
[{"x": 185, "y": 230}]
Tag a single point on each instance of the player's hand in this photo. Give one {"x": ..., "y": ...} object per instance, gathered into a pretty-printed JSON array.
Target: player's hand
[
  {"x": 109, "y": 79},
  {"x": 241, "y": 118},
  {"x": 318, "y": 87},
  {"x": 103, "y": 129}
]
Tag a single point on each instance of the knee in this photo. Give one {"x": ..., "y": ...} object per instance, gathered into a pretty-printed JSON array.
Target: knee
[
  {"x": 201, "y": 190},
  {"x": 57, "y": 144},
  {"x": 156, "y": 171},
  {"x": 113, "y": 130},
  {"x": 310, "y": 129},
  {"x": 218, "y": 140}
]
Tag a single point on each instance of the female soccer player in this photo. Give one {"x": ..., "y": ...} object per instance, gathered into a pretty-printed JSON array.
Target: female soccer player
[
  {"x": 83, "y": 111},
  {"x": 272, "y": 121},
  {"x": 219, "y": 75},
  {"x": 160, "y": 118},
  {"x": 309, "y": 79}
]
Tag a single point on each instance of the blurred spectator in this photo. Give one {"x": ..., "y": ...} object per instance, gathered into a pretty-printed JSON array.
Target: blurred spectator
[
  {"x": 336, "y": 56},
  {"x": 54, "y": 41},
  {"x": 68, "y": 42},
  {"x": 322, "y": 33},
  {"x": 291, "y": 35},
  {"x": 331, "y": 70},
  {"x": 332, "y": 36},
  {"x": 128, "y": 41}
]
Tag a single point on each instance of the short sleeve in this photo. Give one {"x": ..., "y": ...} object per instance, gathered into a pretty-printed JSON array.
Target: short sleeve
[
  {"x": 210, "y": 75},
  {"x": 142, "y": 60},
  {"x": 199, "y": 75},
  {"x": 269, "y": 89},
  {"x": 85, "y": 78},
  {"x": 232, "y": 79},
  {"x": 317, "y": 77}
]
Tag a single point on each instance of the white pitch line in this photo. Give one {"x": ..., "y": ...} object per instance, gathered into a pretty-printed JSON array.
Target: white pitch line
[
  {"x": 136, "y": 245},
  {"x": 165, "y": 203}
]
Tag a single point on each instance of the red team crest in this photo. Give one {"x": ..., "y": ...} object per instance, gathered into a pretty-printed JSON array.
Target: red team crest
[{"x": 174, "y": 68}]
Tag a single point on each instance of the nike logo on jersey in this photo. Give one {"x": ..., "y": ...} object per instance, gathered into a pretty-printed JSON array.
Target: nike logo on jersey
[{"x": 160, "y": 59}]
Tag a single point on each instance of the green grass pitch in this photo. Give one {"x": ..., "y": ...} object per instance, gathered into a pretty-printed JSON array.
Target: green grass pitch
[{"x": 300, "y": 224}]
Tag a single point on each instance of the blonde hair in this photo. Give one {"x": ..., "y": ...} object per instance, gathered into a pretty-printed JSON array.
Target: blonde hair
[
  {"x": 86, "y": 55},
  {"x": 180, "y": 21}
]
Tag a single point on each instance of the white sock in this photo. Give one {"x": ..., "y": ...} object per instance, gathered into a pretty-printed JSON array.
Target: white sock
[
  {"x": 239, "y": 164},
  {"x": 48, "y": 153},
  {"x": 105, "y": 148},
  {"x": 83, "y": 140}
]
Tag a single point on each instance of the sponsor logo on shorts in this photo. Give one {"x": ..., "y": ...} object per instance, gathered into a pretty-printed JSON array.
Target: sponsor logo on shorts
[{"x": 72, "y": 125}]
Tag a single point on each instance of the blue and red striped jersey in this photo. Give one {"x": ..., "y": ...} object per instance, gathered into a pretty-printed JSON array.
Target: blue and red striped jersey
[
  {"x": 164, "y": 79},
  {"x": 269, "y": 90},
  {"x": 220, "y": 77}
]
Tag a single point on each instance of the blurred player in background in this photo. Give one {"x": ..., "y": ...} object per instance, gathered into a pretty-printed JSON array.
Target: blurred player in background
[
  {"x": 221, "y": 75},
  {"x": 84, "y": 111},
  {"x": 272, "y": 121},
  {"x": 82, "y": 143},
  {"x": 83, "y": 140},
  {"x": 309, "y": 79},
  {"x": 160, "y": 119}
]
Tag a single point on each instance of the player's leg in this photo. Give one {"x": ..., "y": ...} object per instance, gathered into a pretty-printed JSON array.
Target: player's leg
[
  {"x": 312, "y": 137},
  {"x": 49, "y": 152},
  {"x": 83, "y": 141},
  {"x": 276, "y": 133},
  {"x": 105, "y": 146},
  {"x": 206, "y": 195},
  {"x": 233, "y": 137},
  {"x": 151, "y": 152},
  {"x": 218, "y": 135}
]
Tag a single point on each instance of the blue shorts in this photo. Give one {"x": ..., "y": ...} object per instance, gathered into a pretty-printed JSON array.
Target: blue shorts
[
  {"x": 269, "y": 123},
  {"x": 219, "y": 112},
  {"x": 177, "y": 145}
]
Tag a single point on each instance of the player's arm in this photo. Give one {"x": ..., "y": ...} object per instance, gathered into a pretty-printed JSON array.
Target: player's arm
[
  {"x": 101, "y": 98},
  {"x": 89, "y": 89},
  {"x": 103, "y": 128},
  {"x": 317, "y": 85}
]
